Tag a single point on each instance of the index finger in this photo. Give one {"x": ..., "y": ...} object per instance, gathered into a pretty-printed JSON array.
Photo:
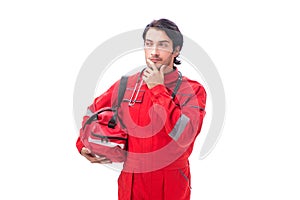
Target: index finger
[{"x": 152, "y": 65}]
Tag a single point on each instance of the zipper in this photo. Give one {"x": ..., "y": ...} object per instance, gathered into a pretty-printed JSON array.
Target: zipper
[{"x": 106, "y": 138}]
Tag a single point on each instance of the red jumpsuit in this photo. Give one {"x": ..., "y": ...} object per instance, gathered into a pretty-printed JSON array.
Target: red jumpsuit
[{"x": 161, "y": 132}]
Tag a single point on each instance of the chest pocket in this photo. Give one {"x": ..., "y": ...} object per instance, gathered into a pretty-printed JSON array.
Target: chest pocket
[{"x": 132, "y": 95}]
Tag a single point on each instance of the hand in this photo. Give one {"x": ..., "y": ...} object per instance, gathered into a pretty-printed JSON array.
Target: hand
[
  {"x": 85, "y": 152},
  {"x": 153, "y": 76}
]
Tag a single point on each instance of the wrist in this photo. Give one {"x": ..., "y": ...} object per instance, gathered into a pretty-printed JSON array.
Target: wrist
[{"x": 152, "y": 85}]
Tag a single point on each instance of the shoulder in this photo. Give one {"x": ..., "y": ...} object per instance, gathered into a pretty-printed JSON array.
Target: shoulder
[
  {"x": 192, "y": 85},
  {"x": 132, "y": 79}
]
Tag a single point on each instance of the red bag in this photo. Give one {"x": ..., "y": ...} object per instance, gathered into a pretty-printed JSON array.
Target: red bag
[{"x": 104, "y": 134}]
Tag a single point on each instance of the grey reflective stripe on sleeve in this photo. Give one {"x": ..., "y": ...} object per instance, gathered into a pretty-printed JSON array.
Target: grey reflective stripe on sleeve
[
  {"x": 198, "y": 107},
  {"x": 179, "y": 127},
  {"x": 89, "y": 113}
]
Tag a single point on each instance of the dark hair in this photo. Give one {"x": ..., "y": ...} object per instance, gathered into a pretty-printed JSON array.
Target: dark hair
[{"x": 171, "y": 29}]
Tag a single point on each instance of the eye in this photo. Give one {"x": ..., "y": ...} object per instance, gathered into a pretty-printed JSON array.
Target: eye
[
  {"x": 164, "y": 45},
  {"x": 148, "y": 44}
]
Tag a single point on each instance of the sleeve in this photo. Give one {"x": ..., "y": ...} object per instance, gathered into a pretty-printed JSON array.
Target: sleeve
[
  {"x": 104, "y": 100},
  {"x": 184, "y": 121}
]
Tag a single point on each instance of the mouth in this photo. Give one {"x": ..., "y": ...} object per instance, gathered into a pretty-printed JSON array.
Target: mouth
[{"x": 155, "y": 60}]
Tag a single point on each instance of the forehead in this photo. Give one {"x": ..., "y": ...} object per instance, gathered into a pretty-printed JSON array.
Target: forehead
[{"x": 156, "y": 35}]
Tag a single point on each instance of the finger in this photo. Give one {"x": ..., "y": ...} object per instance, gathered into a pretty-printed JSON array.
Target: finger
[
  {"x": 145, "y": 78},
  {"x": 147, "y": 69},
  {"x": 147, "y": 72},
  {"x": 150, "y": 63},
  {"x": 162, "y": 68},
  {"x": 154, "y": 69},
  {"x": 89, "y": 157},
  {"x": 100, "y": 157},
  {"x": 85, "y": 150},
  {"x": 97, "y": 158},
  {"x": 105, "y": 161}
]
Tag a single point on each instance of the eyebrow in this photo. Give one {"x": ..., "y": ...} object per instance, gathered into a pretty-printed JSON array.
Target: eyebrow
[{"x": 158, "y": 41}]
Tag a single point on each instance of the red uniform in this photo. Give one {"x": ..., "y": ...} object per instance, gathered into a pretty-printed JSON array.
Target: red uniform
[{"x": 161, "y": 132}]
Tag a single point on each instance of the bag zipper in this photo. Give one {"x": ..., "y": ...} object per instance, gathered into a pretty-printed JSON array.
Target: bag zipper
[{"x": 106, "y": 138}]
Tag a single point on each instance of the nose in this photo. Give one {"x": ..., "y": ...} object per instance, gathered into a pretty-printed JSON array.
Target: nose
[{"x": 154, "y": 51}]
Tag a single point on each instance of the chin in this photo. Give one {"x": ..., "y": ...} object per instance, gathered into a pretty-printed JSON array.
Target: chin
[{"x": 157, "y": 65}]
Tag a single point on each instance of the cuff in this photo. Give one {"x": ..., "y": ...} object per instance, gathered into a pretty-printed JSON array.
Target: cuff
[{"x": 158, "y": 89}]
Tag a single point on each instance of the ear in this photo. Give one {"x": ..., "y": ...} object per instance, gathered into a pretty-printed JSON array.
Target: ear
[{"x": 176, "y": 51}]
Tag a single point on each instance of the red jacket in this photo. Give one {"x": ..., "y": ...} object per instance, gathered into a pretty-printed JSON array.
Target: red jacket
[{"x": 161, "y": 132}]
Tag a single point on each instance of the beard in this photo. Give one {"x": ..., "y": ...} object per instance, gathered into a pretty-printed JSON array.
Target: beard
[{"x": 168, "y": 62}]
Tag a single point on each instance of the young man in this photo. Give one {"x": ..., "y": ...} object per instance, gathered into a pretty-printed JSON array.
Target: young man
[{"x": 162, "y": 127}]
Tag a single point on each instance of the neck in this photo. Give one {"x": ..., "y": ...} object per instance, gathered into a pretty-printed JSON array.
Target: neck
[{"x": 169, "y": 69}]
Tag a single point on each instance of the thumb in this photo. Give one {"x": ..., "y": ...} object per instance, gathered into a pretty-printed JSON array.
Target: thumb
[
  {"x": 162, "y": 69},
  {"x": 85, "y": 150}
]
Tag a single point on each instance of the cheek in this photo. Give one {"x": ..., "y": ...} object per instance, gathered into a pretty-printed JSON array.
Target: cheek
[
  {"x": 147, "y": 53},
  {"x": 167, "y": 57}
]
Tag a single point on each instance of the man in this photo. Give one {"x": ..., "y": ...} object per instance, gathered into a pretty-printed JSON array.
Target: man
[{"x": 162, "y": 126}]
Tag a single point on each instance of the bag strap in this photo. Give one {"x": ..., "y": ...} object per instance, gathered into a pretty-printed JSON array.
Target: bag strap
[
  {"x": 177, "y": 84},
  {"x": 112, "y": 123},
  {"x": 122, "y": 87}
]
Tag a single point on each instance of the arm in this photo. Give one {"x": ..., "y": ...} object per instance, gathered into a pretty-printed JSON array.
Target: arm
[
  {"x": 104, "y": 100},
  {"x": 183, "y": 122}
]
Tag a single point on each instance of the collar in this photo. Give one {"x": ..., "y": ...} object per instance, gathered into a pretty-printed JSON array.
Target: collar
[{"x": 171, "y": 77}]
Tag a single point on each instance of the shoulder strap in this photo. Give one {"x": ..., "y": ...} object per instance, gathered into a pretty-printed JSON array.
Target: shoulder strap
[
  {"x": 177, "y": 84},
  {"x": 122, "y": 87}
]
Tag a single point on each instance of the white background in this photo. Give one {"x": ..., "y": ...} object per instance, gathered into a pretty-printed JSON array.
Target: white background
[{"x": 255, "y": 46}]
